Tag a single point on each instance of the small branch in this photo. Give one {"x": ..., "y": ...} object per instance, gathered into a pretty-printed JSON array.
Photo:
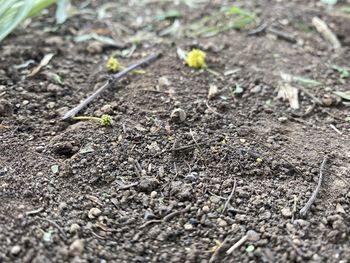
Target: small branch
[
  {"x": 109, "y": 83},
  {"x": 282, "y": 35},
  {"x": 307, "y": 206},
  {"x": 230, "y": 197}
]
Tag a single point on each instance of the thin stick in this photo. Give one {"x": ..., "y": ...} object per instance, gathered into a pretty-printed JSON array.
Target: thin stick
[
  {"x": 109, "y": 83},
  {"x": 230, "y": 197},
  {"x": 307, "y": 206},
  {"x": 282, "y": 35}
]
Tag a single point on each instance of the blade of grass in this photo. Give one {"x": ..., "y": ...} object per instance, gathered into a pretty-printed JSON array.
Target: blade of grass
[{"x": 21, "y": 14}]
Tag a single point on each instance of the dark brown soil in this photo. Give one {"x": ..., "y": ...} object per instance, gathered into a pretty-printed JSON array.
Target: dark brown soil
[{"x": 148, "y": 189}]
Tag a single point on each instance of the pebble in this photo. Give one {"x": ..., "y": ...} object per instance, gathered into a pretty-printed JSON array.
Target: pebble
[
  {"x": 286, "y": 212},
  {"x": 148, "y": 184},
  {"x": 148, "y": 215},
  {"x": 15, "y": 250},
  {"x": 5, "y": 108},
  {"x": 206, "y": 208},
  {"x": 214, "y": 199},
  {"x": 178, "y": 115},
  {"x": 163, "y": 82},
  {"x": 282, "y": 119},
  {"x": 221, "y": 222},
  {"x": 188, "y": 226},
  {"x": 76, "y": 248},
  {"x": 301, "y": 222},
  {"x": 94, "y": 212},
  {"x": 154, "y": 194},
  {"x": 256, "y": 89},
  {"x": 107, "y": 109},
  {"x": 51, "y": 105},
  {"x": 74, "y": 228},
  {"x": 192, "y": 177}
]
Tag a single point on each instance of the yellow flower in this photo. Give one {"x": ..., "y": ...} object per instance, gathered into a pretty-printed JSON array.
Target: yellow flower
[
  {"x": 196, "y": 59},
  {"x": 106, "y": 120},
  {"x": 113, "y": 64}
]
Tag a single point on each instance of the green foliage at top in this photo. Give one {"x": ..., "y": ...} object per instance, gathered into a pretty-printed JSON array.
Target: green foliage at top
[{"x": 13, "y": 12}]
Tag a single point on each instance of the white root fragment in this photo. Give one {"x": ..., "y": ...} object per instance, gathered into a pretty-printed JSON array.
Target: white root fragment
[{"x": 326, "y": 32}]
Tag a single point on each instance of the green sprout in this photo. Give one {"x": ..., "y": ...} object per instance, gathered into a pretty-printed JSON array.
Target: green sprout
[{"x": 104, "y": 120}]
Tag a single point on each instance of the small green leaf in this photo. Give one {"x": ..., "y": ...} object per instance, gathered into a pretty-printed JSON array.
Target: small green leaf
[
  {"x": 345, "y": 9},
  {"x": 47, "y": 236},
  {"x": 343, "y": 95},
  {"x": 343, "y": 72},
  {"x": 238, "y": 89},
  {"x": 55, "y": 168},
  {"x": 329, "y": 2},
  {"x": 168, "y": 15},
  {"x": 182, "y": 54},
  {"x": 306, "y": 81},
  {"x": 250, "y": 248},
  {"x": 62, "y": 11}
]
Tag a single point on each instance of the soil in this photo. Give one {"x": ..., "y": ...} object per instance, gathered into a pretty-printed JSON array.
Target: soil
[{"x": 152, "y": 188}]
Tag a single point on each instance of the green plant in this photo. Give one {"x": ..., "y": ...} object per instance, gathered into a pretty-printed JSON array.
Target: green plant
[
  {"x": 104, "y": 120},
  {"x": 13, "y": 12}
]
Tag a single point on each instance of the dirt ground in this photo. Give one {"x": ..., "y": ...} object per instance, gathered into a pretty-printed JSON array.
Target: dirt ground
[{"x": 153, "y": 189}]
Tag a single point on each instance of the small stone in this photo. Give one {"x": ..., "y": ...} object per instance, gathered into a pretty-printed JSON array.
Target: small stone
[
  {"x": 94, "y": 212},
  {"x": 221, "y": 222},
  {"x": 5, "y": 108},
  {"x": 148, "y": 215},
  {"x": 51, "y": 105},
  {"x": 107, "y": 109},
  {"x": 286, "y": 212},
  {"x": 94, "y": 47},
  {"x": 15, "y": 250},
  {"x": 74, "y": 228},
  {"x": 154, "y": 194},
  {"x": 214, "y": 199},
  {"x": 301, "y": 222},
  {"x": 163, "y": 82},
  {"x": 192, "y": 177},
  {"x": 256, "y": 89},
  {"x": 62, "y": 206},
  {"x": 327, "y": 101},
  {"x": 76, "y": 248},
  {"x": 53, "y": 88},
  {"x": 205, "y": 208},
  {"x": 148, "y": 184},
  {"x": 188, "y": 226},
  {"x": 25, "y": 102},
  {"x": 178, "y": 115},
  {"x": 282, "y": 119}
]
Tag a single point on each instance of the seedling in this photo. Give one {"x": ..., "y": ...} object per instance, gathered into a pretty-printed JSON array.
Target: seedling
[{"x": 104, "y": 120}]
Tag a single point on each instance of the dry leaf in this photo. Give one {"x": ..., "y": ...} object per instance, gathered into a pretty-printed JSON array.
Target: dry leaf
[
  {"x": 46, "y": 59},
  {"x": 290, "y": 93}
]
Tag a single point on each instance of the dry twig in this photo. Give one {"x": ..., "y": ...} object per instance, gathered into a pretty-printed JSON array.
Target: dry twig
[
  {"x": 108, "y": 84},
  {"x": 312, "y": 199}
]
